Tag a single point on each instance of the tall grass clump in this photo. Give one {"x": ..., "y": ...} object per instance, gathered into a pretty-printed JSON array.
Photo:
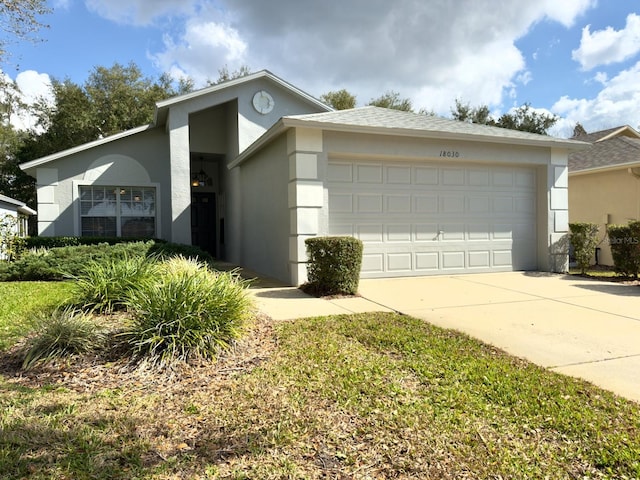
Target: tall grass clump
[
  {"x": 188, "y": 312},
  {"x": 104, "y": 286},
  {"x": 64, "y": 332}
]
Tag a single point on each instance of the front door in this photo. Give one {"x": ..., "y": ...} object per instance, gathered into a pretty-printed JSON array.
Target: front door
[{"x": 203, "y": 221}]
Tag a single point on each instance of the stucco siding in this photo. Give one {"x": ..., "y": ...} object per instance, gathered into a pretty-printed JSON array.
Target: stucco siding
[
  {"x": 603, "y": 198},
  {"x": 265, "y": 212},
  {"x": 57, "y": 183}
]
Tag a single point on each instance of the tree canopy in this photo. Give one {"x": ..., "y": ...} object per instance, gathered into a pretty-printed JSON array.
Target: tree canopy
[
  {"x": 392, "y": 100},
  {"x": 523, "y": 118},
  {"x": 19, "y": 20},
  {"x": 340, "y": 99}
]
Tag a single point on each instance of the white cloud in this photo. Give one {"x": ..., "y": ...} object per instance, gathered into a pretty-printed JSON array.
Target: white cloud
[
  {"x": 139, "y": 12},
  {"x": 201, "y": 51},
  {"x": 616, "y": 104},
  {"x": 432, "y": 52},
  {"x": 607, "y": 46},
  {"x": 33, "y": 87}
]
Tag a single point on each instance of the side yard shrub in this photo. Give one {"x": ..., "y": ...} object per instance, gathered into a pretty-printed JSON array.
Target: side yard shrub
[
  {"x": 56, "y": 263},
  {"x": 584, "y": 241},
  {"x": 624, "y": 241},
  {"x": 334, "y": 265}
]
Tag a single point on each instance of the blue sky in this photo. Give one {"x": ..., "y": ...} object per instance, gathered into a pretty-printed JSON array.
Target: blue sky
[{"x": 578, "y": 59}]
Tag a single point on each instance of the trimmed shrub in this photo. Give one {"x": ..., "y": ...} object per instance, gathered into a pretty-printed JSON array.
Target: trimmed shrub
[
  {"x": 189, "y": 311},
  {"x": 57, "y": 263},
  {"x": 105, "y": 286},
  {"x": 55, "y": 242},
  {"x": 584, "y": 241},
  {"x": 62, "y": 333},
  {"x": 334, "y": 265},
  {"x": 62, "y": 262},
  {"x": 624, "y": 241}
]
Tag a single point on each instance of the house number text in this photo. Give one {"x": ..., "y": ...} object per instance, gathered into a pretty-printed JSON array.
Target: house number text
[{"x": 449, "y": 154}]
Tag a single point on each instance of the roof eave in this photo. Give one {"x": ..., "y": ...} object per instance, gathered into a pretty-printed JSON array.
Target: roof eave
[
  {"x": 606, "y": 168},
  {"x": 438, "y": 134},
  {"x": 80, "y": 148},
  {"x": 288, "y": 122}
]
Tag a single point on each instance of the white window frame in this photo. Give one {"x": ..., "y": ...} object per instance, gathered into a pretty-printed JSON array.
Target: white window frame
[{"x": 76, "y": 184}]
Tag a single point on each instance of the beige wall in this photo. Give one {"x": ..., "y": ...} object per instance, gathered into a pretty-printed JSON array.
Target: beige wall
[{"x": 611, "y": 197}]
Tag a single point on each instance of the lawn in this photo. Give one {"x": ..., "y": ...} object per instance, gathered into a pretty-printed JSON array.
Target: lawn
[
  {"x": 363, "y": 396},
  {"x": 20, "y": 301}
]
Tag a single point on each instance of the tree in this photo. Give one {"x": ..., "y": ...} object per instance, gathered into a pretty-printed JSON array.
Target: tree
[
  {"x": 224, "y": 74},
  {"x": 13, "y": 181},
  {"x": 523, "y": 118},
  {"x": 111, "y": 100},
  {"x": 340, "y": 99},
  {"x": 578, "y": 131},
  {"x": 19, "y": 21},
  {"x": 392, "y": 100},
  {"x": 526, "y": 119},
  {"x": 465, "y": 113}
]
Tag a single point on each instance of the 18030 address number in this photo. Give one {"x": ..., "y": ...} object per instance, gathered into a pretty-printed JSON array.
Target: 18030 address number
[{"x": 449, "y": 154}]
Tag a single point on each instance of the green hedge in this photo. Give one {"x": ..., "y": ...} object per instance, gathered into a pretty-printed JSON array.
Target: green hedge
[
  {"x": 57, "y": 263},
  {"x": 334, "y": 265},
  {"x": 584, "y": 241},
  {"x": 624, "y": 241},
  {"x": 54, "y": 242}
]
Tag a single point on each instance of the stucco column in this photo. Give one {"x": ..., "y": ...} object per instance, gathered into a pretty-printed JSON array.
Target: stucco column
[
  {"x": 178, "y": 125},
  {"x": 305, "y": 197},
  {"x": 558, "y": 212}
]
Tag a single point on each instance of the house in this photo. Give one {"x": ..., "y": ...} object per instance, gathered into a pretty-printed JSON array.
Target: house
[
  {"x": 250, "y": 168},
  {"x": 18, "y": 210},
  {"x": 13, "y": 220},
  {"x": 604, "y": 182}
]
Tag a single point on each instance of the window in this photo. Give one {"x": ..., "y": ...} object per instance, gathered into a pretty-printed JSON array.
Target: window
[{"x": 117, "y": 211}]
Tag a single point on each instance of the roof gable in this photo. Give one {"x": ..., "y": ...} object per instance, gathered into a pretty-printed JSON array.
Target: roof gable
[
  {"x": 162, "y": 107},
  {"x": 622, "y": 131}
]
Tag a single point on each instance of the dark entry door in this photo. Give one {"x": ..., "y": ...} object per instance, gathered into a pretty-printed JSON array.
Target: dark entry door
[{"x": 203, "y": 221}]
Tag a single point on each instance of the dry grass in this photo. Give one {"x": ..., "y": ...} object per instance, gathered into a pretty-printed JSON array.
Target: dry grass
[{"x": 364, "y": 396}]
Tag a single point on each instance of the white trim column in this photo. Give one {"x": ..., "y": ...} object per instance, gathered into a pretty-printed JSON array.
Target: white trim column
[
  {"x": 558, "y": 213},
  {"x": 179, "y": 164},
  {"x": 306, "y": 197}
]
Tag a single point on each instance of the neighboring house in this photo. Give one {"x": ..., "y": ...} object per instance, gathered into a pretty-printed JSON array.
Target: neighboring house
[
  {"x": 604, "y": 182},
  {"x": 250, "y": 168},
  {"x": 10, "y": 207},
  {"x": 18, "y": 210}
]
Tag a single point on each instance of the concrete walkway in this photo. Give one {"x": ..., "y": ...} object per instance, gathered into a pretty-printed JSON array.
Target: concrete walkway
[{"x": 579, "y": 327}]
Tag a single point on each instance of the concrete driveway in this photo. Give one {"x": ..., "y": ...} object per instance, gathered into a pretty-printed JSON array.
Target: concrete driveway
[{"x": 579, "y": 327}]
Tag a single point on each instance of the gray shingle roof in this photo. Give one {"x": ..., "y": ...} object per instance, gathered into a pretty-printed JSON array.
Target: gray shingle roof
[
  {"x": 611, "y": 152},
  {"x": 395, "y": 120}
]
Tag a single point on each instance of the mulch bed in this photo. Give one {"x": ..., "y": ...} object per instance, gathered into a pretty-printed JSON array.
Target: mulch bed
[{"x": 111, "y": 370}]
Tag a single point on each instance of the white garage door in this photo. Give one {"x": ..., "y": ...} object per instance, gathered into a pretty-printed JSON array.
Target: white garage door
[{"x": 423, "y": 219}]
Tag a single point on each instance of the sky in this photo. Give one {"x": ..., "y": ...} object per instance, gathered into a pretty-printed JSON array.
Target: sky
[{"x": 577, "y": 59}]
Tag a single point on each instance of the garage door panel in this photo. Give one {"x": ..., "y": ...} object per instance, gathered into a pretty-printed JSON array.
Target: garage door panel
[
  {"x": 429, "y": 219},
  {"x": 426, "y": 176},
  {"x": 400, "y": 262},
  {"x": 398, "y": 203},
  {"x": 340, "y": 173},
  {"x": 397, "y": 175},
  {"x": 369, "y": 174},
  {"x": 479, "y": 259},
  {"x": 368, "y": 203}
]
